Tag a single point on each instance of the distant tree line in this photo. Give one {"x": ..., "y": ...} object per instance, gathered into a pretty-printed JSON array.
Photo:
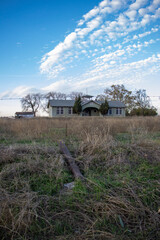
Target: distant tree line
[{"x": 137, "y": 103}]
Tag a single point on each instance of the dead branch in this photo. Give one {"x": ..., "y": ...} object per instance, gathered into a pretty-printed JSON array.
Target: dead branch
[{"x": 70, "y": 160}]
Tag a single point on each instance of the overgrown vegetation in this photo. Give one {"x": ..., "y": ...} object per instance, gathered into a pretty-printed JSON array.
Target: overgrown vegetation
[
  {"x": 119, "y": 199},
  {"x": 143, "y": 112}
]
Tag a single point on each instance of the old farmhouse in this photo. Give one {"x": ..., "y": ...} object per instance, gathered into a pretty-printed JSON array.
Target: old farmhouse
[{"x": 59, "y": 108}]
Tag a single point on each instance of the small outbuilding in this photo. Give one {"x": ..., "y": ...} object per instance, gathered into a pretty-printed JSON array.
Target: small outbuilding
[{"x": 24, "y": 115}]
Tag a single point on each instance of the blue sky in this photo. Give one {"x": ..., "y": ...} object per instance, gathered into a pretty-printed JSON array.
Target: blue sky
[{"x": 51, "y": 45}]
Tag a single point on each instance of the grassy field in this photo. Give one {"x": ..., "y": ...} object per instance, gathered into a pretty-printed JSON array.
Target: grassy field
[{"x": 118, "y": 199}]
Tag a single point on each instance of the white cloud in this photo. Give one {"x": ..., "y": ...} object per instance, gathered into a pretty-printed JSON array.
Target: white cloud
[
  {"x": 146, "y": 19},
  {"x": 93, "y": 30},
  {"x": 62, "y": 85},
  {"x": 154, "y": 5},
  {"x": 142, "y": 11},
  {"x": 105, "y": 6},
  {"x": 89, "y": 15},
  {"x": 17, "y": 92},
  {"x": 53, "y": 56},
  {"x": 122, "y": 20},
  {"x": 131, "y": 14},
  {"x": 144, "y": 34},
  {"x": 127, "y": 73},
  {"x": 104, "y": 3},
  {"x": 95, "y": 35},
  {"x": 116, "y": 4},
  {"x": 138, "y": 4}
]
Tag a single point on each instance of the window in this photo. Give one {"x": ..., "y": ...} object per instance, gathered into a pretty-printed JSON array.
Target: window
[
  {"x": 110, "y": 112},
  {"x": 118, "y": 111},
  {"x": 58, "y": 110},
  {"x": 69, "y": 110},
  {"x": 61, "y": 110}
]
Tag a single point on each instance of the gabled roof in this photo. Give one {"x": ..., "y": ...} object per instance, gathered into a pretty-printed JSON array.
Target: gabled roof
[
  {"x": 86, "y": 102},
  {"x": 61, "y": 103},
  {"x": 70, "y": 103}
]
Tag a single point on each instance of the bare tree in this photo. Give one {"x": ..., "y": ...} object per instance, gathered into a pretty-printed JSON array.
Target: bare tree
[
  {"x": 74, "y": 95},
  {"x": 55, "y": 95},
  {"x": 100, "y": 97},
  {"x": 61, "y": 96},
  {"x": 46, "y": 97},
  {"x": 49, "y": 96},
  {"x": 141, "y": 99},
  {"x": 31, "y": 102}
]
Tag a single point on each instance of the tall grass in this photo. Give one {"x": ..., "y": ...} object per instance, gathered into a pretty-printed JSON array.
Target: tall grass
[
  {"x": 57, "y": 127},
  {"x": 119, "y": 199}
]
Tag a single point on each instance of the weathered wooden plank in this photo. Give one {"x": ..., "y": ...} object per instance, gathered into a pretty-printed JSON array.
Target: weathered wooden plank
[{"x": 71, "y": 162}]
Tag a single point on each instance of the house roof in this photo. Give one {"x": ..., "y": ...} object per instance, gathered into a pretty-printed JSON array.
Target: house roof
[
  {"x": 61, "y": 103},
  {"x": 88, "y": 101},
  {"x": 114, "y": 104},
  {"x": 24, "y": 113},
  {"x": 87, "y": 96},
  {"x": 70, "y": 103}
]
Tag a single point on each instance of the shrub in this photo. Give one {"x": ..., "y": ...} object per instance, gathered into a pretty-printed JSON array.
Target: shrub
[
  {"x": 143, "y": 112},
  {"x": 104, "y": 108},
  {"x": 77, "y": 108}
]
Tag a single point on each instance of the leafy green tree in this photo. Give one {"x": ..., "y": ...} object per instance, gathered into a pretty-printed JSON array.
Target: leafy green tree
[
  {"x": 77, "y": 108},
  {"x": 104, "y": 108},
  {"x": 120, "y": 93}
]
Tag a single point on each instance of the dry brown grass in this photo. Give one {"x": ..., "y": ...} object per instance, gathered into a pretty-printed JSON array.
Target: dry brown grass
[
  {"x": 119, "y": 198},
  {"x": 55, "y": 129},
  {"x": 18, "y": 211},
  {"x": 19, "y": 204}
]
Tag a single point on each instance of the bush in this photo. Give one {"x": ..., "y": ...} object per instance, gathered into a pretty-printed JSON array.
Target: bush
[{"x": 143, "y": 112}]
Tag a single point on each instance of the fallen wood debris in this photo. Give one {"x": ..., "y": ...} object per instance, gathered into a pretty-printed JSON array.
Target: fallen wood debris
[{"x": 70, "y": 160}]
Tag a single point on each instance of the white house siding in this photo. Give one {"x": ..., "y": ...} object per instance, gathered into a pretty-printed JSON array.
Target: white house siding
[
  {"x": 50, "y": 111},
  {"x": 65, "y": 112},
  {"x": 114, "y": 114},
  {"x": 53, "y": 112}
]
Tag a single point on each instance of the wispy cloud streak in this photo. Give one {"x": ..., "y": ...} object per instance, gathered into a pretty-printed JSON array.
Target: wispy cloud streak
[{"x": 108, "y": 37}]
